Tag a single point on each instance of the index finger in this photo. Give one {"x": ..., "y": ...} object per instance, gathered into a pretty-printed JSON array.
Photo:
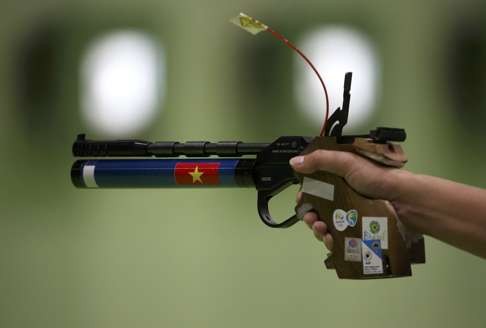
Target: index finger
[{"x": 336, "y": 162}]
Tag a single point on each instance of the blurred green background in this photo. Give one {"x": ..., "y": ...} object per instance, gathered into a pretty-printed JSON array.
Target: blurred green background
[{"x": 186, "y": 258}]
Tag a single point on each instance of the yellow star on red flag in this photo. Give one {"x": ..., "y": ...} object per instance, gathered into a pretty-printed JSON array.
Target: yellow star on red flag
[{"x": 196, "y": 175}]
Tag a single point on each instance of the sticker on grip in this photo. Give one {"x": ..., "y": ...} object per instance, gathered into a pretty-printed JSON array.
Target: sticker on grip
[
  {"x": 342, "y": 219},
  {"x": 376, "y": 228},
  {"x": 372, "y": 257},
  {"x": 375, "y": 240}
]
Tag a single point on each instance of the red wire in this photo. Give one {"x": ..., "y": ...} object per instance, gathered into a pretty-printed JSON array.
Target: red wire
[{"x": 291, "y": 46}]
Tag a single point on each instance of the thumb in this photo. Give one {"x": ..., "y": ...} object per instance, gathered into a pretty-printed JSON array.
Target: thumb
[{"x": 336, "y": 162}]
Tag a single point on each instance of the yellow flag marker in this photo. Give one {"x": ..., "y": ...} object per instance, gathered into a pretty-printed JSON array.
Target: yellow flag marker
[
  {"x": 249, "y": 24},
  {"x": 254, "y": 26}
]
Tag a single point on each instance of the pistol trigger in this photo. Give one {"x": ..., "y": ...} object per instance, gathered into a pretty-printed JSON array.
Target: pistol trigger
[{"x": 264, "y": 213}]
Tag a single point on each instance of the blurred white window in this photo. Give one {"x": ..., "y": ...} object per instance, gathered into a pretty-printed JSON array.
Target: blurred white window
[
  {"x": 335, "y": 50},
  {"x": 122, "y": 82}
]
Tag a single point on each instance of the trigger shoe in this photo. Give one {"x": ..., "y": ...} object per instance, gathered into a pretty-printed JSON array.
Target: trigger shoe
[{"x": 302, "y": 209}]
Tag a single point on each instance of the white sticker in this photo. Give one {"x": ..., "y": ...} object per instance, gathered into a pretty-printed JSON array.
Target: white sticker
[
  {"x": 352, "y": 249},
  {"x": 376, "y": 228},
  {"x": 372, "y": 257},
  {"x": 339, "y": 219},
  {"x": 318, "y": 188},
  {"x": 89, "y": 176}
]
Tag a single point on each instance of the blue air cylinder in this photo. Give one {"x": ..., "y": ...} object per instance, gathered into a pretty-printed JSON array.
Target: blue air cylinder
[{"x": 162, "y": 173}]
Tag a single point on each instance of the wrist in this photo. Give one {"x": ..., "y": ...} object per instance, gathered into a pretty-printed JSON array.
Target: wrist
[
  {"x": 400, "y": 185},
  {"x": 399, "y": 191}
]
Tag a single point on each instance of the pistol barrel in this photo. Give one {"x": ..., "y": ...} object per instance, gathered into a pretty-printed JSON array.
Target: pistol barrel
[{"x": 141, "y": 148}]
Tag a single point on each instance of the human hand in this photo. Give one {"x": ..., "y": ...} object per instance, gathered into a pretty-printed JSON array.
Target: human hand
[{"x": 364, "y": 176}]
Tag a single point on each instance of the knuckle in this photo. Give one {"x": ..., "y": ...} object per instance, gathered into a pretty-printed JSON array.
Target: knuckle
[
  {"x": 345, "y": 160},
  {"x": 310, "y": 160},
  {"x": 316, "y": 160},
  {"x": 320, "y": 155},
  {"x": 324, "y": 227}
]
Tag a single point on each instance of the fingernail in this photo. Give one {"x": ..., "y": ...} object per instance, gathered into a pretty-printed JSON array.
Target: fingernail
[{"x": 297, "y": 161}]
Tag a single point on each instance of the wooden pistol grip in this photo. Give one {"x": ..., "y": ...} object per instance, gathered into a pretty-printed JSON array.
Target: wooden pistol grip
[{"x": 367, "y": 239}]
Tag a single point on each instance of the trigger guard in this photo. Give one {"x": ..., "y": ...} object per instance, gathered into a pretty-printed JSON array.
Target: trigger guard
[{"x": 264, "y": 213}]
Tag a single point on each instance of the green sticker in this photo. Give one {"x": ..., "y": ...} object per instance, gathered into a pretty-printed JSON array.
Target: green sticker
[
  {"x": 352, "y": 217},
  {"x": 374, "y": 227}
]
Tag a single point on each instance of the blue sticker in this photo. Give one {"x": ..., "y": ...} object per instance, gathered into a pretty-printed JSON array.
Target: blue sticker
[
  {"x": 372, "y": 257},
  {"x": 375, "y": 247}
]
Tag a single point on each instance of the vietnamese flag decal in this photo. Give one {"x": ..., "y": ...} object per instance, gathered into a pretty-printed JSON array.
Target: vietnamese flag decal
[{"x": 197, "y": 173}]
